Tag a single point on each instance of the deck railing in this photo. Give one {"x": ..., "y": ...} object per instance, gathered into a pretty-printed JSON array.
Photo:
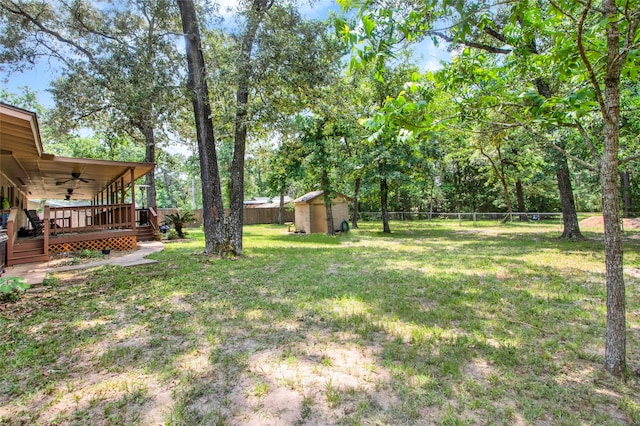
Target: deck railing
[
  {"x": 153, "y": 218},
  {"x": 64, "y": 220}
]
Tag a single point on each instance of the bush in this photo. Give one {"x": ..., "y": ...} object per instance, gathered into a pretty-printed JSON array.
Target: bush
[
  {"x": 11, "y": 287},
  {"x": 178, "y": 220}
]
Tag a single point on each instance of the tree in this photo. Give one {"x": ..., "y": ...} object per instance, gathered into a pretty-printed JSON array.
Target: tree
[
  {"x": 119, "y": 65},
  {"x": 285, "y": 168},
  {"x": 619, "y": 27},
  {"x": 596, "y": 44},
  {"x": 212, "y": 208},
  {"x": 254, "y": 15},
  {"x": 498, "y": 29}
]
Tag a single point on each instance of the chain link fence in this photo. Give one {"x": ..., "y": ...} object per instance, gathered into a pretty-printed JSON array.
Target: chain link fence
[{"x": 554, "y": 217}]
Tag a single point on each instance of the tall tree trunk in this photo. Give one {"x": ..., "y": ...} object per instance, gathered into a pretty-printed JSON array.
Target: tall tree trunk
[
  {"x": 615, "y": 344},
  {"x": 520, "y": 198},
  {"x": 236, "y": 204},
  {"x": 324, "y": 183},
  {"x": 384, "y": 192},
  {"x": 615, "y": 341},
  {"x": 569, "y": 215},
  {"x": 150, "y": 157},
  {"x": 571, "y": 230},
  {"x": 281, "y": 207},
  {"x": 167, "y": 187},
  {"x": 500, "y": 174},
  {"x": 356, "y": 194},
  {"x": 626, "y": 192},
  {"x": 212, "y": 211}
]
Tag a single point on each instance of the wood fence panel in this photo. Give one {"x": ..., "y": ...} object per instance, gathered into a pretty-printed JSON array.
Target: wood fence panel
[{"x": 250, "y": 216}]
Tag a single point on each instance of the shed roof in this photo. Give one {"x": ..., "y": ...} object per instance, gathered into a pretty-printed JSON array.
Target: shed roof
[
  {"x": 315, "y": 194},
  {"x": 308, "y": 196}
]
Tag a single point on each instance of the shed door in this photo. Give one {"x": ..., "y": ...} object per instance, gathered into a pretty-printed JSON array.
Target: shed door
[{"x": 318, "y": 218}]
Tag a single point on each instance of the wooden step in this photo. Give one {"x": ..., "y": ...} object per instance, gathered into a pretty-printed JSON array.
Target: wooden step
[
  {"x": 28, "y": 244},
  {"x": 145, "y": 233},
  {"x": 27, "y": 259}
]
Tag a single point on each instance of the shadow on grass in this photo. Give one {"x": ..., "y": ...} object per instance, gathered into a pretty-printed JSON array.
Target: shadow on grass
[{"x": 416, "y": 332}]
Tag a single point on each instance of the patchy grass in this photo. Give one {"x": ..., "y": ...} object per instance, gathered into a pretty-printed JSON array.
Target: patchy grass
[{"x": 433, "y": 324}]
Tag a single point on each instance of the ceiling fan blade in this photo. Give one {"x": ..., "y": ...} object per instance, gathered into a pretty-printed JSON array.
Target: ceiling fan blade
[{"x": 63, "y": 182}]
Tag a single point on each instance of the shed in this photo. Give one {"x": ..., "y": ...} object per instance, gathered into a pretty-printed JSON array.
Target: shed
[{"x": 311, "y": 215}]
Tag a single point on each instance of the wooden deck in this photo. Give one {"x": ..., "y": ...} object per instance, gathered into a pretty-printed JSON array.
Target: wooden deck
[{"x": 104, "y": 228}]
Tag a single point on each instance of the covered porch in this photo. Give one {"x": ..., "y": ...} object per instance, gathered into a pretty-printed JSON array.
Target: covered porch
[{"x": 99, "y": 198}]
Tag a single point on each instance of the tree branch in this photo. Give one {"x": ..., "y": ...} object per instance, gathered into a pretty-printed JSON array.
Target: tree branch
[
  {"x": 587, "y": 63},
  {"x": 587, "y": 141},
  {"x": 485, "y": 47},
  {"x": 563, "y": 151},
  {"x": 34, "y": 20},
  {"x": 629, "y": 159}
]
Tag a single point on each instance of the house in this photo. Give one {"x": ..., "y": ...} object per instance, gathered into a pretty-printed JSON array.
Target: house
[
  {"x": 108, "y": 217},
  {"x": 255, "y": 201},
  {"x": 275, "y": 203},
  {"x": 311, "y": 214}
]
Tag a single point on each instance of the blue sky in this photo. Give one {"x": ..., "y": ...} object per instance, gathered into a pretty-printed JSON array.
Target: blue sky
[{"x": 38, "y": 78}]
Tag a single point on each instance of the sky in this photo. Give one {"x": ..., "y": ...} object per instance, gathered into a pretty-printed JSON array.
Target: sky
[{"x": 39, "y": 77}]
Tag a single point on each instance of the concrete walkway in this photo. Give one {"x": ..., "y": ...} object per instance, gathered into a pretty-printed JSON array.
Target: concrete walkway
[{"x": 34, "y": 273}]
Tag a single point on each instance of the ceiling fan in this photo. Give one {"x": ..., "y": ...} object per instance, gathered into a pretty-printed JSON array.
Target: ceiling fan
[
  {"x": 68, "y": 194},
  {"x": 75, "y": 177}
]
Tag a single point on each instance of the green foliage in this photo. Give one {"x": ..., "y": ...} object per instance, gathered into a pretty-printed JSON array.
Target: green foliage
[
  {"x": 88, "y": 254},
  {"x": 178, "y": 220},
  {"x": 11, "y": 287}
]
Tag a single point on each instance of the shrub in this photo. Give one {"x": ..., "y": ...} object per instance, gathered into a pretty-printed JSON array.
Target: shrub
[
  {"x": 11, "y": 287},
  {"x": 178, "y": 220}
]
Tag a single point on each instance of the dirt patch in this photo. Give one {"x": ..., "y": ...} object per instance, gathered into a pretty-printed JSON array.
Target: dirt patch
[{"x": 598, "y": 222}]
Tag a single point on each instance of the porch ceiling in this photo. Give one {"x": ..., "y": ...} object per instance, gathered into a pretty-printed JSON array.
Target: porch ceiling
[
  {"x": 51, "y": 177},
  {"x": 41, "y": 175}
]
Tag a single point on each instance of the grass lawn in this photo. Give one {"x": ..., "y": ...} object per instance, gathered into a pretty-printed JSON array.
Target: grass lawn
[{"x": 433, "y": 324}]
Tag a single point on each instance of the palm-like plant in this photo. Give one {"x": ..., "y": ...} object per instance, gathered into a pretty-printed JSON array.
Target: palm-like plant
[{"x": 178, "y": 220}]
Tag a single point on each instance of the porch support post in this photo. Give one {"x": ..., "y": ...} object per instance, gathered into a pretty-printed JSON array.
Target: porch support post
[
  {"x": 122, "y": 189},
  {"x": 47, "y": 230},
  {"x": 133, "y": 200}
]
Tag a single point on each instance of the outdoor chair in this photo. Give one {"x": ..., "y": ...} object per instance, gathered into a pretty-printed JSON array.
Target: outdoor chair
[{"x": 36, "y": 223}]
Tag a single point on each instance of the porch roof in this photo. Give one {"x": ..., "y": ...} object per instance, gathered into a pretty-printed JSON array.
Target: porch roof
[{"x": 41, "y": 175}]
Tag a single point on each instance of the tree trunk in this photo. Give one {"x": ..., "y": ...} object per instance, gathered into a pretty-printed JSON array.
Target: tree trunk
[
  {"x": 236, "y": 196},
  {"x": 356, "y": 194},
  {"x": 615, "y": 342},
  {"x": 507, "y": 197},
  {"x": 571, "y": 229},
  {"x": 384, "y": 192},
  {"x": 212, "y": 209},
  {"x": 500, "y": 174},
  {"x": 324, "y": 183},
  {"x": 520, "y": 198},
  {"x": 569, "y": 215},
  {"x": 150, "y": 157},
  {"x": 281, "y": 208},
  {"x": 167, "y": 185},
  {"x": 626, "y": 192},
  {"x": 329, "y": 210}
]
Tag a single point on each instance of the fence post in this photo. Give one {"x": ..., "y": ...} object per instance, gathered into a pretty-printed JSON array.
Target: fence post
[
  {"x": 459, "y": 219},
  {"x": 474, "y": 219}
]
